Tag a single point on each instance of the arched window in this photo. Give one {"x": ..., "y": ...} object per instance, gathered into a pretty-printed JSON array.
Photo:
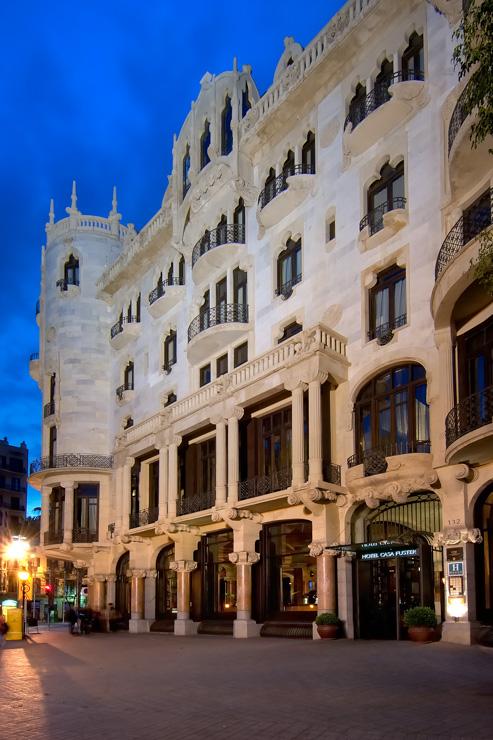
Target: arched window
[
  {"x": 308, "y": 155},
  {"x": 205, "y": 142},
  {"x": 288, "y": 166},
  {"x": 483, "y": 514},
  {"x": 128, "y": 377},
  {"x": 222, "y": 230},
  {"x": 226, "y": 130},
  {"x": 382, "y": 83},
  {"x": 387, "y": 304},
  {"x": 245, "y": 101},
  {"x": 269, "y": 191},
  {"x": 186, "y": 171},
  {"x": 181, "y": 271},
  {"x": 357, "y": 106},
  {"x": 386, "y": 194},
  {"x": 71, "y": 271},
  {"x": 392, "y": 415},
  {"x": 413, "y": 59},
  {"x": 289, "y": 268},
  {"x": 239, "y": 222},
  {"x": 169, "y": 351},
  {"x": 170, "y": 277}
]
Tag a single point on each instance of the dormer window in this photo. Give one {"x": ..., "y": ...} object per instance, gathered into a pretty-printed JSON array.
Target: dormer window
[
  {"x": 186, "y": 171},
  {"x": 205, "y": 142},
  {"x": 226, "y": 130}
]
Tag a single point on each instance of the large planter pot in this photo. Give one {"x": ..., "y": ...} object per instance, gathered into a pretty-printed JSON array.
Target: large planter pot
[
  {"x": 422, "y": 634},
  {"x": 327, "y": 631}
]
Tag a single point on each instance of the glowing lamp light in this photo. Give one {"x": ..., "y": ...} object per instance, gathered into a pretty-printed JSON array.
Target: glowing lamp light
[
  {"x": 456, "y": 607},
  {"x": 17, "y": 550},
  {"x": 23, "y": 575}
]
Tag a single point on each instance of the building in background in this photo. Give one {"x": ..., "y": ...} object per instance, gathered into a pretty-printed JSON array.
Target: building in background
[
  {"x": 13, "y": 498},
  {"x": 276, "y": 399}
]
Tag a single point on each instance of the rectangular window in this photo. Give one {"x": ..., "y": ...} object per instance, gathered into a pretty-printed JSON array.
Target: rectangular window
[
  {"x": 205, "y": 375},
  {"x": 52, "y": 446},
  {"x": 221, "y": 365},
  {"x": 241, "y": 354},
  {"x": 330, "y": 230},
  {"x": 169, "y": 351},
  {"x": 221, "y": 296},
  {"x": 388, "y": 308},
  {"x": 86, "y": 512},
  {"x": 240, "y": 287}
]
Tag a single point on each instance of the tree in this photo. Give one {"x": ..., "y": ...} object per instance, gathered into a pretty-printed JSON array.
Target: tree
[{"x": 473, "y": 56}]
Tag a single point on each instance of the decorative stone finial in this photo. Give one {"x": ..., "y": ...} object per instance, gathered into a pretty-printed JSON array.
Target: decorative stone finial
[
  {"x": 114, "y": 203},
  {"x": 73, "y": 202},
  {"x": 52, "y": 212},
  {"x": 235, "y": 64}
]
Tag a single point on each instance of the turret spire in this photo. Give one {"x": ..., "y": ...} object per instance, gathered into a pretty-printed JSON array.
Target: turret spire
[
  {"x": 114, "y": 203},
  {"x": 52, "y": 212},
  {"x": 73, "y": 204}
]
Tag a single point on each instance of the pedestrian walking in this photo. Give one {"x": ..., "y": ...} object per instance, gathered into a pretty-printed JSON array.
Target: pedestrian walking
[{"x": 73, "y": 620}]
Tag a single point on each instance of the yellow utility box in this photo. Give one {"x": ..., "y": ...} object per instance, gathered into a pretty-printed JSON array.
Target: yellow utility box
[{"x": 13, "y": 617}]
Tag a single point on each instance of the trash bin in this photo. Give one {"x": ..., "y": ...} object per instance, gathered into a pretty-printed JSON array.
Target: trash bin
[{"x": 13, "y": 617}]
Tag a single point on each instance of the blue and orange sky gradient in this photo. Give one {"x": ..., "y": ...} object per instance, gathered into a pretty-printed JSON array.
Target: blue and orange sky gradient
[{"x": 93, "y": 91}]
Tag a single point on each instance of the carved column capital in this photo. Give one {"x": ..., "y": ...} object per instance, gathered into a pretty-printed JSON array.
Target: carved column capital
[
  {"x": 183, "y": 566},
  {"x": 151, "y": 573},
  {"x": 138, "y": 572},
  {"x": 130, "y": 461},
  {"x": 244, "y": 557},
  {"x": 175, "y": 439},
  {"x": 111, "y": 579},
  {"x": 235, "y": 413},
  {"x": 100, "y": 578}
]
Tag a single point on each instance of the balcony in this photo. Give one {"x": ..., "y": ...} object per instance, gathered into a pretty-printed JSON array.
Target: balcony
[
  {"x": 261, "y": 485},
  {"x": 71, "y": 460},
  {"x": 125, "y": 329},
  {"x": 384, "y": 333},
  {"x": 199, "y": 502},
  {"x": 382, "y": 223},
  {"x": 281, "y": 196},
  {"x": 389, "y": 104},
  {"x": 144, "y": 517},
  {"x": 124, "y": 393},
  {"x": 66, "y": 288},
  {"x": 218, "y": 248},
  {"x": 469, "y": 429},
  {"x": 82, "y": 535},
  {"x": 286, "y": 289},
  {"x": 165, "y": 295},
  {"x": 48, "y": 409},
  {"x": 467, "y": 228},
  {"x": 467, "y": 166},
  {"x": 376, "y": 460},
  {"x": 34, "y": 366},
  {"x": 216, "y": 328},
  {"x": 53, "y": 538}
]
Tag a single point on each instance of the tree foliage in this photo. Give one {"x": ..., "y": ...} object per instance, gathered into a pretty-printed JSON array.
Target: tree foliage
[{"x": 473, "y": 57}]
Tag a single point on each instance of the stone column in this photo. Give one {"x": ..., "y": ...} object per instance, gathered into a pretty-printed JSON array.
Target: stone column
[
  {"x": 234, "y": 454},
  {"x": 244, "y": 626},
  {"x": 326, "y": 580},
  {"x": 163, "y": 483},
  {"x": 150, "y": 595},
  {"x": 183, "y": 623},
  {"x": 110, "y": 590},
  {"x": 126, "y": 493},
  {"x": 221, "y": 460},
  {"x": 443, "y": 386},
  {"x": 45, "y": 511},
  {"x": 297, "y": 434},
  {"x": 68, "y": 512},
  {"x": 173, "y": 476},
  {"x": 137, "y": 622},
  {"x": 98, "y": 602},
  {"x": 315, "y": 454}
]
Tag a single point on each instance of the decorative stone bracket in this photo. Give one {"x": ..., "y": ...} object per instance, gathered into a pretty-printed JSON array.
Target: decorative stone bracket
[
  {"x": 183, "y": 566},
  {"x": 227, "y": 515},
  {"x": 397, "y": 491},
  {"x": 456, "y": 536},
  {"x": 244, "y": 558}
]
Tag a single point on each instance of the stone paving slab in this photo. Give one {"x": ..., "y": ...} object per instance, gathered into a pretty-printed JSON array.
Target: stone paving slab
[{"x": 155, "y": 687}]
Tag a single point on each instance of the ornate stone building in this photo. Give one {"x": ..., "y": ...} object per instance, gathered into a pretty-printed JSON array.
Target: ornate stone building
[{"x": 277, "y": 397}]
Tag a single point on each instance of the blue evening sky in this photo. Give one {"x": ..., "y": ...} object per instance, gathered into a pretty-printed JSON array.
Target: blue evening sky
[{"x": 93, "y": 91}]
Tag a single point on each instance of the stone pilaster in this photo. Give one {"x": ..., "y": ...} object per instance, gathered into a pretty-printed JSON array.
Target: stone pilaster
[
  {"x": 175, "y": 442},
  {"x": 150, "y": 595},
  {"x": 326, "y": 578},
  {"x": 137, "y": 622},
  {"x": 315, "y": 455},
  {"x": 45, "y": 511},
  {"x": 221, "y": 460},
  {"x": 110, "y": 590},
  {"x": 163, "y": 482},
  {"x": 297, "y": 432},
  {"x": 183, "y": 623},
  {"x": 234, "y": 454},
  {"x": 127, "y": 492},
  {"x": 68, "y": 512},
  {"x": 98, "y": 601}
]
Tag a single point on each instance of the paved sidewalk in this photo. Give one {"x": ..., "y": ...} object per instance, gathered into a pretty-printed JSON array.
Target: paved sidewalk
[{"x": 151, "y": 687}]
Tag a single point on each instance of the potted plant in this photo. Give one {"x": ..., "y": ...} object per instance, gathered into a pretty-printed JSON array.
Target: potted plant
[
  {"x": 420, "y": 622},
  {"x": 327, "y": 625}
]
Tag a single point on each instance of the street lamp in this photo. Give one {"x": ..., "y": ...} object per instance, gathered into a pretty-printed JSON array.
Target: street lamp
[{"x": 25, "y": 588}]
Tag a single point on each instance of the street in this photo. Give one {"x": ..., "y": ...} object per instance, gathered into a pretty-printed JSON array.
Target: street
[{"x": 151, "y": 686}]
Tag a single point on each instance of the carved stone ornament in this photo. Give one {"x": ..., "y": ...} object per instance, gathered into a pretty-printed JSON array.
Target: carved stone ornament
[
  {"x": 111, "y": 578},
  {"x": 320, "y": 495},
  {"x": 100, "y": 578},
  {"x": 316, "y": 549},
  {"x": 151, "y": 573},
  {"x": 161, "y": 528},
  {"x": 209, "y": 182},
  {"x": 66, "y": 547},
  {"x": 183, "y": 566},
  {"x": 80, "y": 564},
  {"x": 138, "y": 572},
  {"x": 244, "y": 557},
  {"x": 186, "y": 528},
  {"x": 294, "y": 498},
  {"x": 250, "y": 119},
  {"x": 456, "y": 536}
]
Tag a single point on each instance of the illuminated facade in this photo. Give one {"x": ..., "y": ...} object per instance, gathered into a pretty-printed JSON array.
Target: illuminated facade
[{"x": 276, "y": 398}]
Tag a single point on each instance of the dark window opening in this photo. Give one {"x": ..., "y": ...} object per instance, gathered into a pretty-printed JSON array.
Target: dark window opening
[
  {"x": 289, "y": 268},
  {"x": 205, "y": 375},
  {"x": 86, "y": 512},
  {"x": 221, "y": 365},
  {"x": 289, "y": 331},
  {"x": 308, "y": 155},
  {"x": 357, "y": 106},
  {"x": 71, "y": 271},
  {"x": 241, "y": 354},
  {"x": 386, "y": 194},
  {"x": 240, "y": 287},
  {"x": 186, "y": 171},
  {"x": 388, "y": 303},
  {"x": 245, "y": 101},
  {"x": 204, "y": 312},
  {"x": 170, "y": 356},
  {"x": 128, "y": 377},
  {"x": 181, "y": 271},
  {"x": 170, "y": 398},
  {"x": 226, "y": 129},
  {"x": 205, "y": 142},
  {"x": 413, "y": 59}
]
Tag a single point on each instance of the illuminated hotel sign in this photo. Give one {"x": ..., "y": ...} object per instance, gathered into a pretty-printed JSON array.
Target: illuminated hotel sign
[{"x": 390, "y": 552}]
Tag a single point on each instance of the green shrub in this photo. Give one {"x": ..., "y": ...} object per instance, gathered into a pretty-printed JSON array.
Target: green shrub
[
  {"x": 420, "y": 616},
  {"x": 327, "y": 618}
]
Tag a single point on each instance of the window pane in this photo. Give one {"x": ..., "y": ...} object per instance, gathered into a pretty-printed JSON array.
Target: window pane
[
  {"x": 383, "y": 383},
  {"x": 398, "y": 187},
  {"x": 400, "y": 299},
  {"x": 384, "y": 422},
  {"x": 381, "y": 308},
  {"x": 422, "y": 414},
  {"x": 401, "y": 376},
  {"x": 401, "y": 421}
]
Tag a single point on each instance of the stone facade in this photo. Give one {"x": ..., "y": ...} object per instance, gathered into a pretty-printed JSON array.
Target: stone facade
[{"x": 289, "y": 275}]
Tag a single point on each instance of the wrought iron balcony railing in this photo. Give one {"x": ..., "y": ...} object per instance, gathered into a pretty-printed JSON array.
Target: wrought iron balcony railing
[
  {"x": 470, "y": 414},
  {"x": 383, "y": 333},
  {"x": 280, "y": 184},
  {"x": 469, "y": 226},
  {"x": 199, "y": 502},
  {"x": 53, "y": 538},
  {"x": 374, "y": 218},
  {"x": 141, "y": 518},
  {"x": 84, "y": 535},
  {"x": 63, "y": 284},
  {"x": 121, "y": 390},
  {"x": 71, "y": 460},
  {"x": 286, "y": 289},
  {"x": 378, "y": 96},
  {"x": 33, "y": 356},
  {"x": 120, "y": 324},
  {"x": 260, "y": 485},
  {"x": 160, "y": 288},
  {"x": 457, "y": 118},
  {"x": 48, "y": 409},
  {"x": 229, "y": 313},
  {"x": 374, "y": 460},
  {"x": 223, "y": 234},
  {"x": 331, "y": 473}
]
